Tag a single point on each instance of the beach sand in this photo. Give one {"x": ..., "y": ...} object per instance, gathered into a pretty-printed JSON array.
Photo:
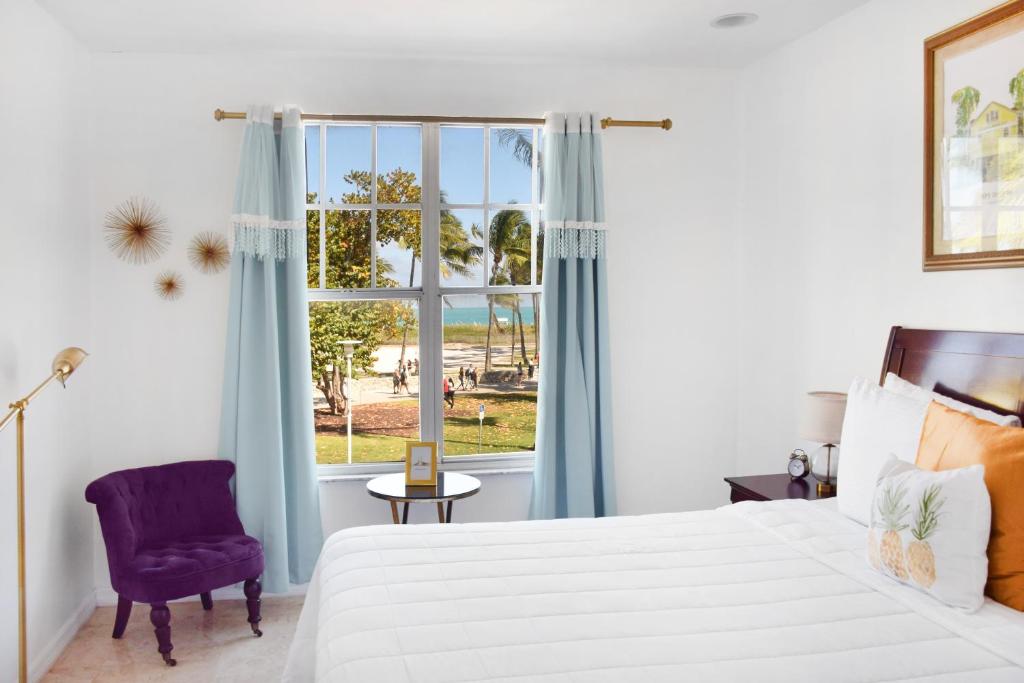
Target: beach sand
[{"x": 380, "y": 389}]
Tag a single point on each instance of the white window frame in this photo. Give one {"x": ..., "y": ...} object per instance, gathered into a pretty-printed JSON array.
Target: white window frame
[{"x": 429, "y": 296}]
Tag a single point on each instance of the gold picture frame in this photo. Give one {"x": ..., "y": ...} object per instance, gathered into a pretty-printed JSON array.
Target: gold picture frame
[
  {"x": 416, "y": 467},
  {"x": 974, "y": 143}
]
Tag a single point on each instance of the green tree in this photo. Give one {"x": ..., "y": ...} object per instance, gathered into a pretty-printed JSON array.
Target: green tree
[
  {"x": 508, "y": 242},
  {"x": 404, "y": 228},
  {"x": 1017, "y": 90},
  {"x": 522, "y": 149},
  {"x": 518, "y": 142},
  {"x": 458, "y": 253},
  {"x": 966, "y": 100},
  {"x": 348, "y": 250},
  {"x": 371, "y": 322},
  {"x": 519, "y": 274},
  {"x": 347, "y": 265}
]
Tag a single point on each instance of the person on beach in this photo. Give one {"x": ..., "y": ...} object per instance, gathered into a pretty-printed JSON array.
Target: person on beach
[
  {"x": 403, "y": 379},
  {"x": 416, "y": 366},
  {"x": 472, "y": 377},
  {"x": 529, "y": 371},
  {"x": 448, "y": 390},
  {"x": 462, "y": 377},
  {"x": 396, "y": 382},
  {"x": 519, "y": 374}
]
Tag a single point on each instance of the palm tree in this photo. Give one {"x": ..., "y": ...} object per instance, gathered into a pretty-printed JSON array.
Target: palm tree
[
  {"x": 521, "y": 145},
  {"x": 519, "y": 274},
  {"x": 458, "y": 253},
  {"x": 1017, "y": 90},
  {"x": 522, "y": 149},
  {"x": 966, "y": 100},
  {"x": 507, "y": 244}
]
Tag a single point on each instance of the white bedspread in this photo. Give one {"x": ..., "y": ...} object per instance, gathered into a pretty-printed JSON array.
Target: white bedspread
[{"x": 756, "y": 591}]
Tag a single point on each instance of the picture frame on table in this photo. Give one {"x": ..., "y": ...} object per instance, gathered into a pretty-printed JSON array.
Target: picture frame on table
[
  {"x": 420, "y": 463},
  {"x": 974, "y": 143}
]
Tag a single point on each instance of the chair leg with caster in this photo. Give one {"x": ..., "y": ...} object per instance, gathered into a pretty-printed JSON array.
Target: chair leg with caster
[
  {"x": 124, "y": 610},
  {"x": 253, "y": 589},
  {"x": 160, "y": 617},
  {"x": 207, "y": 600}
]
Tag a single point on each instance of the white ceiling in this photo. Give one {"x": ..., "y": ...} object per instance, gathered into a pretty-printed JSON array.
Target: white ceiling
[{"x": 648, "y": 32}]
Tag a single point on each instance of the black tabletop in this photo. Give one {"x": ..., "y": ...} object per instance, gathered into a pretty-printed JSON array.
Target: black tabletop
[{"x": 450, "y": 486}]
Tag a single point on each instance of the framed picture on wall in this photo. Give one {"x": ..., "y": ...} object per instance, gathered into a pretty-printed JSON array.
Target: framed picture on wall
[
  {"x": 420, "y": 463},
  {"x": 974, "y": 143}
]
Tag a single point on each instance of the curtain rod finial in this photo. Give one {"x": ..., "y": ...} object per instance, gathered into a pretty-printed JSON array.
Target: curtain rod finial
[
  {"x": 218, "y": 114},
  {"x": 667, "y": 124}
]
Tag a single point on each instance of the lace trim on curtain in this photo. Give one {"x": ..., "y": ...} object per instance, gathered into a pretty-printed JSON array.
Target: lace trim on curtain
[
  {"x": 266, "y": 238},
  {"x": 574, "y": 239}
]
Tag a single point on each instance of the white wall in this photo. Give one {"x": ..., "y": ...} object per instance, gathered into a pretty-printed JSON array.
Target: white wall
[
  {"x": 157, "y": 365},
  {"x": 831, "y": 218},
  {"x": 44, "y": 307}
]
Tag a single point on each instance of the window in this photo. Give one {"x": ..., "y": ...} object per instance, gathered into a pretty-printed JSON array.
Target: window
[{"x": 423, "y": 254}]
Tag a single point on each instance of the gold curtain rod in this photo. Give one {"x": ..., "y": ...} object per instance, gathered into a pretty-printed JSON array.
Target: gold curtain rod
[{"x": 666, "y": 124}]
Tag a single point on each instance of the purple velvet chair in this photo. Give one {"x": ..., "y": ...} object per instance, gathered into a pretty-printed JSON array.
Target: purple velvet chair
[{"x": 172, "y": 531}]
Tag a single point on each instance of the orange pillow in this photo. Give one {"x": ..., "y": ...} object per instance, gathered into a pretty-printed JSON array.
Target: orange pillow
[{"x": 951, "y": 439}]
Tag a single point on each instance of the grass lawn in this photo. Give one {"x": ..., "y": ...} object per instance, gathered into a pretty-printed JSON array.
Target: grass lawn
[
  {"x": 509, "y": 425},
  {"x": 332, "y": 449}
]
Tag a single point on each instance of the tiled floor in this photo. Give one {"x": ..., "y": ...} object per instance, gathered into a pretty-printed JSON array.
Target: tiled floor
[{"x": 209, "y": 646}]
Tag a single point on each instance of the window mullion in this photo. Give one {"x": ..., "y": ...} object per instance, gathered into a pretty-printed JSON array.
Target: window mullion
[
  {"x": 487, "y": 198},
  {"x": 373, "y": 206},
  {"x": 321, "y": 200},
  {"x": 431, "y": 352}
]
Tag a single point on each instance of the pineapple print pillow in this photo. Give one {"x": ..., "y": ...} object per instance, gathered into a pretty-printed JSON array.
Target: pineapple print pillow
[{"x": 930, "y": 530}]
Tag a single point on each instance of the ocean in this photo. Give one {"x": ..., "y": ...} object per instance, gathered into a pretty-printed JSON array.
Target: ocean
[{"x": 473, "y": 315}]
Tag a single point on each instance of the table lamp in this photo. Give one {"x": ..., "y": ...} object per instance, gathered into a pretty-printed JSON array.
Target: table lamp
[{"x": 821, "y": 420}]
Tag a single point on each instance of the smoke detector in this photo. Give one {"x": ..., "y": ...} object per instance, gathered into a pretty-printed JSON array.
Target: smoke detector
[{"x": 734, "y": 20}]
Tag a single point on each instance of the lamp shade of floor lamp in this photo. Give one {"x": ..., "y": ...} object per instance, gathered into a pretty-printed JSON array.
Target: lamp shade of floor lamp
[{"x": 64, "y": 363}]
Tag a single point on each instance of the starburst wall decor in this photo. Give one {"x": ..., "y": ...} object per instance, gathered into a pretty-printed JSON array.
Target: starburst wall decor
[
  {"x": 209, "y": 253},
  {"x": 169, "y": 285},
  {"x": 136, "y": 231}
]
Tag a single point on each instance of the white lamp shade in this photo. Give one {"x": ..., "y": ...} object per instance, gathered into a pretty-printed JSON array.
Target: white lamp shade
[{"x": 821, "y": 416}]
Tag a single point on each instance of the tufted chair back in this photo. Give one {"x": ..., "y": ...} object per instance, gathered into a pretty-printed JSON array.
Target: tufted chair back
[{"x": 149, "y": 505}]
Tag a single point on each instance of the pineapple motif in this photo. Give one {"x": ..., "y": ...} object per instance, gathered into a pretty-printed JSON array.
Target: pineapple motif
[
  {"x": 920, "y": 558},
  {"x": 873, "y": 557},
  {"x": 892, "y": 511}
]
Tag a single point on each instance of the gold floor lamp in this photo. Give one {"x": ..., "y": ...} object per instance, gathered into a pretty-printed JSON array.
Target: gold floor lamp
[{"x": 64, "y": 363}]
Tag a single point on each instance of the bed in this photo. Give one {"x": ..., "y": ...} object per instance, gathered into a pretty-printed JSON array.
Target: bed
[{"x": 766, "y": 591}]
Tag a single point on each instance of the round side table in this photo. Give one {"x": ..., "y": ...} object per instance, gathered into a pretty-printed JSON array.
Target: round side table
[{"x": 450, "y": 487}]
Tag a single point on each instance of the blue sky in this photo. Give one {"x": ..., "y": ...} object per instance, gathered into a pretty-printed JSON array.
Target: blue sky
[{"x": 350, "y": 148}]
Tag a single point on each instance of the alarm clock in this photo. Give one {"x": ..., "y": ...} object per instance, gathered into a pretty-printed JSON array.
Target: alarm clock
[{"x": 799, "y": 465}]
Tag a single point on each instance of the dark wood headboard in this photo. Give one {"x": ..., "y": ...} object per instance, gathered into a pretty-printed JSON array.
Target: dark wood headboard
[{"x": 984, "y": 369}]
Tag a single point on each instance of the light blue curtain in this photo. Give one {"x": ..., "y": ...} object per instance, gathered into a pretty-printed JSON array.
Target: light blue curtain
[
  {"x": 573, "y": 475},
  {"x": 266, "y": 416}
]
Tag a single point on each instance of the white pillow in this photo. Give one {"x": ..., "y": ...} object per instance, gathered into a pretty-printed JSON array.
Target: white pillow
[
  {"x": 930, "y": 530},
  {"x": 902, "y": 387},
  {"x": 877, "y": 424}
]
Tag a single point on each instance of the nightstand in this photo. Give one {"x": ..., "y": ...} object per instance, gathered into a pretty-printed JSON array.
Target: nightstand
[{"x": 771, "y": 487}]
